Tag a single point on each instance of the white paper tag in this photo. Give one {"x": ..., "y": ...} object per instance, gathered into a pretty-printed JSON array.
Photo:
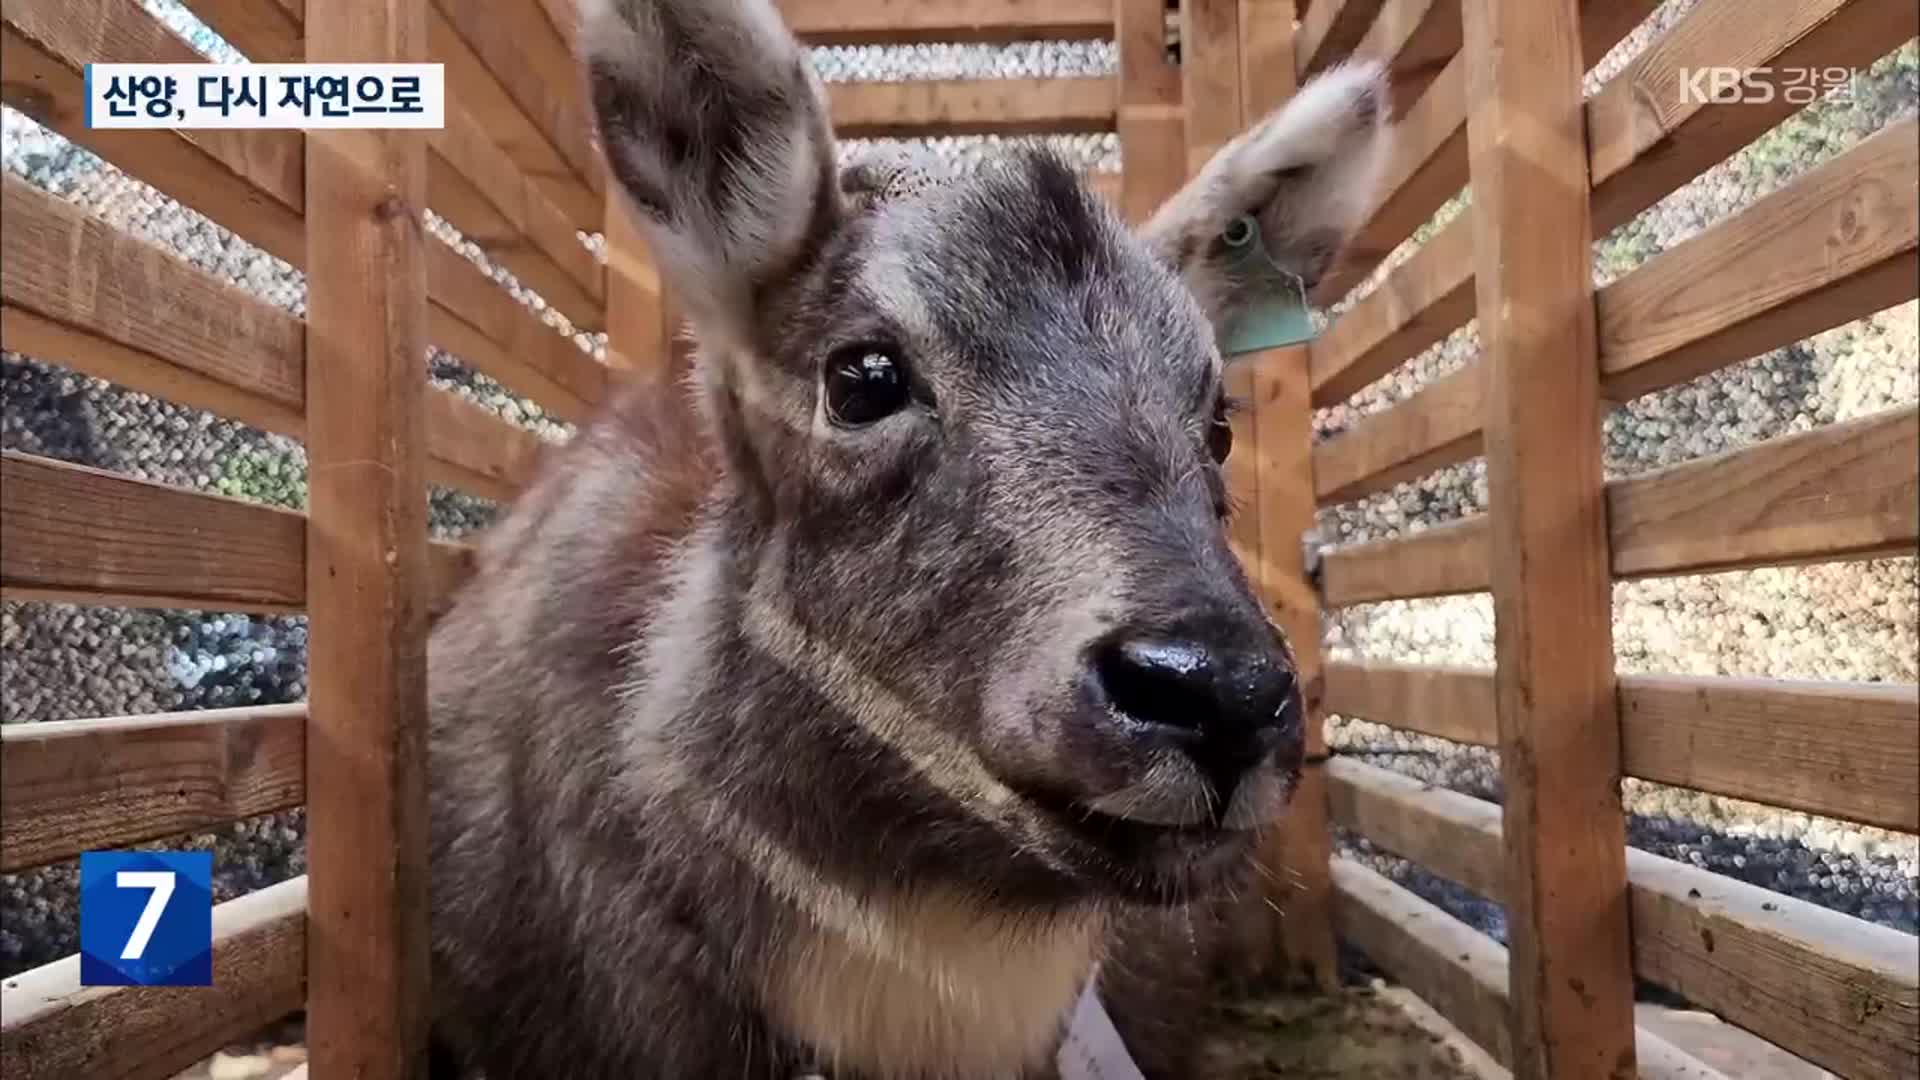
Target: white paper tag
[{"x": 1092, "y": 1049}]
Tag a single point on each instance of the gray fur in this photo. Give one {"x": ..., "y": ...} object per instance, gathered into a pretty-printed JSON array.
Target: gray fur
[{"x": 747, "y": 711}]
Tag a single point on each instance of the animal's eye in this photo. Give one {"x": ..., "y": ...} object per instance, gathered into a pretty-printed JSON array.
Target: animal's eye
[
  {"x": 1220, "y": 433},
  {"x": 864, "y": 383}
]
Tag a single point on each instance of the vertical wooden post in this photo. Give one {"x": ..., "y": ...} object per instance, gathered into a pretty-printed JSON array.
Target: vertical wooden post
[
  {"x": 1152, "y": 140},
  {"x": 1281, "y": 409},
  {"x": 367, "y": 574},
  {"x": 1571, "y": 980}
]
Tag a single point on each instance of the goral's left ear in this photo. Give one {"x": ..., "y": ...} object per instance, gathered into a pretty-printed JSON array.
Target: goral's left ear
[{"x": 1306, "y": 173}]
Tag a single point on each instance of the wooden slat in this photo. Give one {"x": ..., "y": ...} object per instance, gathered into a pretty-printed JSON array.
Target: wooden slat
[
  {"x": 1456, "y": 969},
  {"x": 1415, "y": 38},
  {"x": 1454, "y": 835},
  {"x": 475, "y": 450},
  {"x": 1420, "y": 303},
  {"x": 1436, "y": 427},
  {"x": 368, "y": 570},
  {"x": 1429, "y": 162},
  {"x": 252, "y": 181},
  {"x": 870, "y": 22},
  {"x": 68, "y": 266},
  {"x": 119, "y": 308},
  {"x": 1442, "y": 561},
  {"x": 1571, "y": 972},
  {"x": 534, "y": 63},
  {"x": 1839, "y": 991},
  {"x": 52, "y": 1028},
  {"x": 1833, "y": 246},
  {"x": 43, "y": 48},
  {"x": 1329, "y": 31},
  {"x": 83, "y": 785},
  {"x": 475, "y": 319},
  {"x": 477, "y": 188},
  {"x": 265, "y": 31},
  {"x": 1846, "y": 750},
  {"x": 1431, "y": 294},
  {"x": 1446, "y": 961},
  {"x": 1849, "y": 490},
  {"x": 506, "y": 66},
  {"x": 1450, "y": 703},
  {"x": 1839, "y": 492},
  {"x": 939, "y": 107},
  {"x": 77, "y": 532},
  {"x": 1647, "y": 137},
  {"x": 1734, "y": 291}
]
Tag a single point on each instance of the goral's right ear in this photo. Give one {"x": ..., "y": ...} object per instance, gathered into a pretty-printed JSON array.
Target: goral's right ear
[
  {"x": 1307, "y": 173},
  {"x": 715, "y": 126}
]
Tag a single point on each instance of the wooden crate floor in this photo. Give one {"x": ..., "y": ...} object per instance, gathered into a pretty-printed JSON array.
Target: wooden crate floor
[{"x": 1359, "y": 1031}]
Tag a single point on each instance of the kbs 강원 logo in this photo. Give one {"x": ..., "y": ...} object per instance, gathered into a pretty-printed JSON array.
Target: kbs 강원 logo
[{"x": 146, "y": 918}]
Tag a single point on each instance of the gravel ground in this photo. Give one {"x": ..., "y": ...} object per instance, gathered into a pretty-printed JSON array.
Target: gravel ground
[{"x": 1850, "y": 621}]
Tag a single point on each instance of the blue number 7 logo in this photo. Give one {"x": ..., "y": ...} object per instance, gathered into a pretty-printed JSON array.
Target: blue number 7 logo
[{"x": 146, "y": 918}]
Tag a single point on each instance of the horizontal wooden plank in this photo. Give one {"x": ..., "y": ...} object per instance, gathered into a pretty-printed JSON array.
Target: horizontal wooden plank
[
  {"x": 1456, "y": 969},
  {"x": 265, "y": 31},
  {"x": 1436, "y": 427},
  {"x": 81, "y": 531},
  {"x": 475, "y": 319},
  {"x": 477, "y": 451},
  {"x": 872, "y": 22},
  {"x": 1833, "y": 246},
  {"x": 253, "y": 181},
  {"x": 80, "y": 535},
  {"x": 481, "y": 192},
  {"x": 82, "y": 785},
  {"x": 1444, "y": 831},
  {"x": 1442, "y": 561},
  {"x": 1429, "y": 163},
  {"x": 1461, "y": 971},
  {"x": 1415, "y": 38},
  {"x": 1840, "y": 492},
  {"x": 1329, "y": 31},
  {"x": 52, "y": 1028},
  {"x": 1636, "y": 157},
  {"x": 1839, "y": 991},
  {"x": 1422, "y": 301},
  {"x": 938, "y": 107},
  {"x": 1845, "y": 750},
  {"x": 1449, "y": 703},
  {"x": 71, "y": 267},
  {"x": 1647, "y": 134},
  {"x": 42, "y": 78},
  {"x": 1848, "y": 490},
  {"x": 512, "y": 51},
  {"x": 119, "y": 308}
]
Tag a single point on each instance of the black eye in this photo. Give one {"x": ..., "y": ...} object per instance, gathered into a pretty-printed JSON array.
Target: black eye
[
  {"x": 1220, "y": 434},
  {"x": 865, "y": 383}
]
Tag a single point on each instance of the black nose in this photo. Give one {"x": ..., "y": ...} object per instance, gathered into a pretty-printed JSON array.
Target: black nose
[{"x": 1227, "y": 705}]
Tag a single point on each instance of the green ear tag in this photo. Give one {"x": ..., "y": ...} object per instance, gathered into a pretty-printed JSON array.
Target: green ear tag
[{"x": 1279, "y": 314}]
